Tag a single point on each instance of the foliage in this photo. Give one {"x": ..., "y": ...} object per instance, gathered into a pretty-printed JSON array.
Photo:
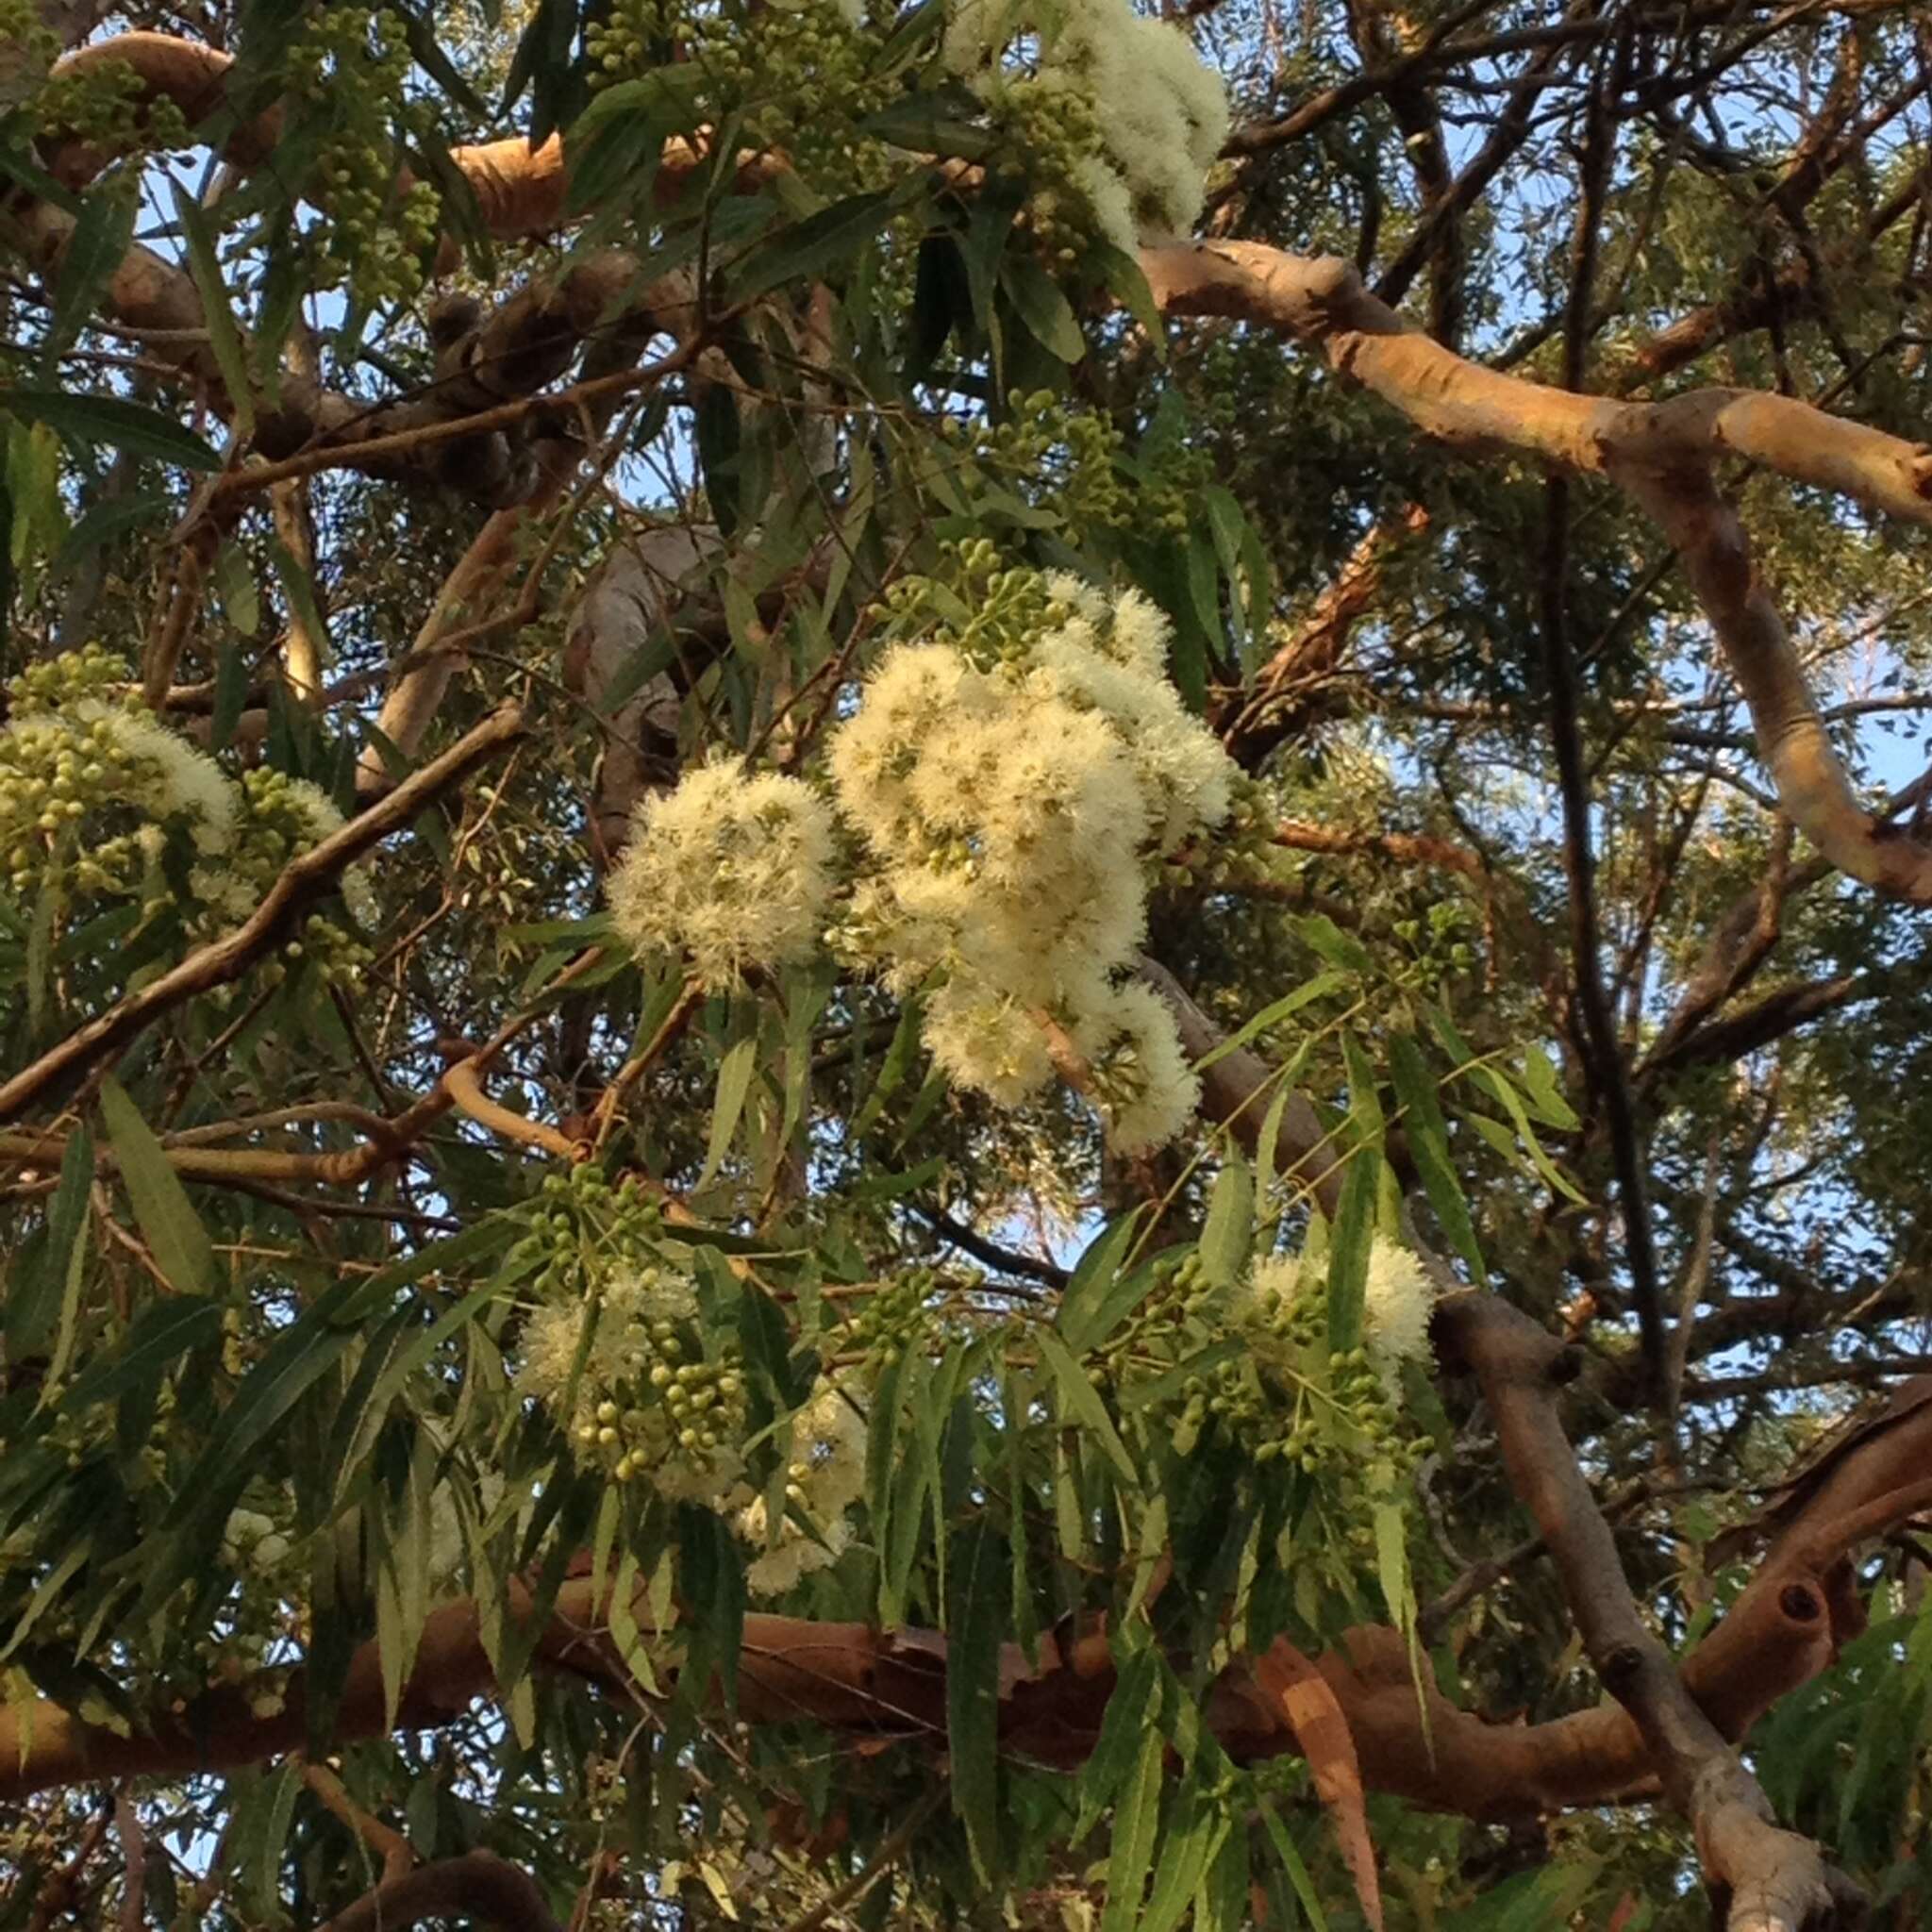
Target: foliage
[{"x": 476, "y": 1375}]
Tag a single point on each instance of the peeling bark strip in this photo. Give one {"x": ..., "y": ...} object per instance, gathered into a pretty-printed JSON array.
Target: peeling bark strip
[{"x": 1661, "y": 454}]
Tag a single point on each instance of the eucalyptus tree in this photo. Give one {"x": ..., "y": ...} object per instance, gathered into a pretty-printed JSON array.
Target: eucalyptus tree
[{"x": 961, "y": 964}]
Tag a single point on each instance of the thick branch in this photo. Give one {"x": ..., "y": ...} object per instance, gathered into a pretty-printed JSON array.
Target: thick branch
[
  {"x": 1775, "y": 1879},
  {"x": 1662, "y": 454}
]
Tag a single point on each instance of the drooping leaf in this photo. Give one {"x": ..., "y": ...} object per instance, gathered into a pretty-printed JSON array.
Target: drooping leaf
[
  {"x": 975, "y": 1626},
  {"x": 167, "y": 1219},
  {"x": 1428, "y": 1145},
  {"x": 111, "y": 419}
]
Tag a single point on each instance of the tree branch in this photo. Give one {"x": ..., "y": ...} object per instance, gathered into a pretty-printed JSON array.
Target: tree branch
[{"x": 302, "y": 882}]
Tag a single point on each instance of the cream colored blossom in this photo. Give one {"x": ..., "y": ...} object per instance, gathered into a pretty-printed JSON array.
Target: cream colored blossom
[
  {"x": 1148, "y": 1089},
  {"x": 987, "y": 1042},
  {"x": 733, "y": 869},
  {"x": 1397, "y": 1302},
  {"x": 1161, "y": 111},
  {"x": 1011, "y": 813},
  {"x": 554, "y": 1332},
  {"x": 177, "y": 780},
  {"x": 825, "y": 1477}
]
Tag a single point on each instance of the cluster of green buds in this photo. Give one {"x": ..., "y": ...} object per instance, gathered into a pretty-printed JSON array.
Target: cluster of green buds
[
  {"x": 1340, "y": 1411},
  {"x": 107, "y": 106},
  {"x": 357, "y": 60},
  {"x": 1243, "y": 852},
  {"x": 894, "y": 1317},
  {"x": 57, "y": 771},
  {"x": 1062, "y": 458},
  {"x": 1440, "y": 942},
  {"x": 671, "y": 1406},
  {"x": 33, "y": 45},
  {"x": 53, "y": 684},
  {"x": 580, "y": 1226},
  {"x": 659, "y": 1402},
  {"x": 989, "y": 612},
  {"x": 1048, "y": 134},
  {"x": 798, "y": 73},
  {"x": 281, "y": 818}
]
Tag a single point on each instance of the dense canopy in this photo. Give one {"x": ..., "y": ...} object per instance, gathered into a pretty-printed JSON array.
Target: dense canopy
[{"x": 960, "y": 964}]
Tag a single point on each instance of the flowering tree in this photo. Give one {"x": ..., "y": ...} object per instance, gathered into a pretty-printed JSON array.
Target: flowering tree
[{"x": 933, "y": 985}]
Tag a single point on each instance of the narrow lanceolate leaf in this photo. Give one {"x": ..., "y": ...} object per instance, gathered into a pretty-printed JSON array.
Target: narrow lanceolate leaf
[
  {"x": 1191, "y": 1842},
  {"x": 167, "y": 1219},
  {"x": 1228, "y": 1231},
  {"x": 33, "y": 1295},
  {"x": 1429, "y": 1143},
  {"x": 1132, "y": 1714},
  {"x": 820, "y": 243},
  {"x": 1321, "y": 1731},
  {"x": 975, "y": 1623},
  {"x": 1080, "y": 1401},
  {"x": 110, "y": 420},
  {"x": 1042, "y": 307},
  {"x": 1136, "y": 1825},
  {"x": 1348, "y": 1250},
  {"x": 294, "y": 1362},
  {"x": 218, "y": 316},
  {"x": 94, "y": 250},
  {"x": 734, "y": 1084},
  {"x": 1084, "y": 1299}
]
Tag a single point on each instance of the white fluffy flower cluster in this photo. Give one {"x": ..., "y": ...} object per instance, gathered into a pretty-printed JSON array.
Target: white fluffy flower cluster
[
  {"x": 1161, "y": 112},
  {"x": 1398, "y": 1298},
  {"x": 733, "y": 869},
  {"x": 1011, "y": 813},
  {"x": 825, "y": 1477}
]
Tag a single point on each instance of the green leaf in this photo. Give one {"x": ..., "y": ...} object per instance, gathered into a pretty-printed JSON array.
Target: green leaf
[
  {"x": 298, "y": 587},
  {"x": 1126, "y": 281},
  {"x": 809, "y": 249},
  {"x": 234, "y": 582},
  {"x": 36, "y": 1295},
  {"x": 734, "y": 1083},
  {"x": 1336, "y": 946},
  {"x": 162, "y": 1333},
  {"x": 168, "y": 1221},
  {"x": 1297, "y": 1872},
  {"x": 1042, "y": 306},
  {"x": 105, "y": 521},
  {"x": 1228, "y": 1232},
  {"x": 1348, "y": 1251},
  {"x": 718, "y": 434},
  {"x": 937, "y": 125},
  {"x": 1081, "y": 1402},
  {"x": 1132, "y": 1715},
  {"x": 298, "y": 1357},
  {"x": 1320, "y": 987},
  {"x": 1083, "y": 1298},
  {"x": 1136, "y": 1825},
  {"x": 1187, "y": 1849},
  {"x": 217, "y": 313},
  {"x": 97, "y": 419},
  {"x": 1544, "y": 1091},
  {"x": 1428, "y": 1144},
  {"x": 94, "y": 250},
  {"x": 975, "y": 1626}
]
